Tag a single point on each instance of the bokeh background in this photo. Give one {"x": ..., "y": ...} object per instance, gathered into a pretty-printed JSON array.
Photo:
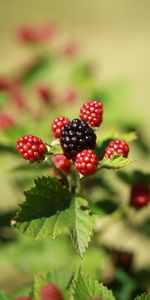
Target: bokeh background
[{"x": 115, "y": 37}]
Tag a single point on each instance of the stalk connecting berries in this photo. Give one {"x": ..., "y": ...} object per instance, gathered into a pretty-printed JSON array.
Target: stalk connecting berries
[
  {"x": 92, "y": 112},
  {"x": 62, "y": 163},
  {"x": 76, "y": 137},
  {"x": 117, "y": 147},
  {"x": 31, "y": 147},
  {"x": 58, "y": 125},
  {"x": 140, "y": 195},
  {"x": 86, "y": 162},
  {"x": 51, "y": 292}
]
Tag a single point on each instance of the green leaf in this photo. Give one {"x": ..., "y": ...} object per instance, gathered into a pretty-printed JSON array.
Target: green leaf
[
  {"x": 79, "y": 223},
  {"x": 4, "y": 296},
  {"x": 85, "y": 288},
  {"x": 45, "y": 199},
  {"x": 103, "y": 207},
  {"x": 61, "y": 277},
  {"x": 40, "y": 215},
  {"x": 5, "y": 149},
  {"x": 47, "y": 211},
  {"x": 117, "y": 162},
  {"x": 143, "y": 297}
]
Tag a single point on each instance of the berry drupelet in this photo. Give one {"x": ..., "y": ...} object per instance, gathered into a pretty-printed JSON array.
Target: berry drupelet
[
  {"x": 62, "y": 163},
  {"x": 76, "y": 137},
  {"x": 92, "y": 112},
  {"x": 58, "y": 125},
  {"x": 117, "y": 147},
  {"x": 31, "y": 148},
  {"x": 86, "y": 162},
  {"x": 50, "y": 292},
  {"x": 140, "y": 195}
]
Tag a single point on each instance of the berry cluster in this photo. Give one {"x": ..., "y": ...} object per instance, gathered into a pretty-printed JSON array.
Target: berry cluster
[
  {"x": 77, "y": 140},
  {"x": 31, "y": 147}
]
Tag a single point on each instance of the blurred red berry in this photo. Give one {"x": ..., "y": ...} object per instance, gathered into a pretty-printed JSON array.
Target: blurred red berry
[
  {"x": 36, "y": 34},
  {"x": 62, "y": 163},
  {"x": 3, "y": 84},
  {"x": 70, "y": 49},
  {"x": 69, "y": 95},
  {"x": 15, "y": 90},
  {"x": 46, "y": 32},
  {"x": 92, "y": 112},
  {"x": 140, "y": 195},
  {"x": 26, "y": 34},
  {"x": 6, "y": 121},
  {"x": 58, "y": 125},
  {"x": 31, "y": 147},
  {"x": 50, "y": 292},
  {"x": 117, "y": 147},
  {"x": 44, "y": 93},
  {"x": 86, "y": 162}
]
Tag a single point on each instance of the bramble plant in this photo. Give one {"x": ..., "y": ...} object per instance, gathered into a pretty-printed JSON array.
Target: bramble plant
[
  {"x": 71, "y": 160},
  {"x": 56, "y": 204}
]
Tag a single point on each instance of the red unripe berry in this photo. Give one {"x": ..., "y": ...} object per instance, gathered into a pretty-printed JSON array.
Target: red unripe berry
[
  {"x": 140, "y": 195},
  {"x": 23, "y": 298},
  {"x": 117, "y": 147},
  {"x": 44, "y": 93},
  {"x": 69, "y": 95},
  {"x": 27, "y": 34},
  {"x": 45, "y": 33},
  {"x": 70, "y": 49},
  {"x": 62, "y": 163},
  {"x": 6, "y": 121},
  {"x": 86, "y": 162},
  {"x": 92, "y": 112},
  {"x": 31, "y": 147},
  {"x": 58, "y": 125},
  {"x": 3, "y": 84},
  {"x": 50, "y": 292},
  {"x": 15, "y": 90}
]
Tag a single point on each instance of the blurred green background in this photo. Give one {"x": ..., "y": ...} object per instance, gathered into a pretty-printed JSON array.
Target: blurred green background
[{"x": 115, "y": 37}]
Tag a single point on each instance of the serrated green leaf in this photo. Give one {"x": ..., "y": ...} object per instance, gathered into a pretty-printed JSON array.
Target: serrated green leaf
[
  {"x": 61, "y": 277},
  {"x": 47, "y": 211},
  {"x": 45, "y": 199},
  {"x": 143, "y": 297},
  {"x": 79, "y": 223},
  {"x": 85, "y": 288},
  {"x": 117, "y": 162}
]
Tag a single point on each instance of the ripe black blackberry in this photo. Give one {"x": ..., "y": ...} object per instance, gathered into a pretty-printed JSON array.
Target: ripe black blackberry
[{"x": 77, "y": 136}]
